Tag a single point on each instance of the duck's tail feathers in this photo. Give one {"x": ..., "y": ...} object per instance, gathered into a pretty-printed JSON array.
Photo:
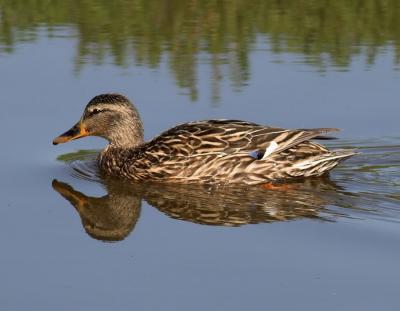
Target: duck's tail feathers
[{"x": 317, "y": 166}]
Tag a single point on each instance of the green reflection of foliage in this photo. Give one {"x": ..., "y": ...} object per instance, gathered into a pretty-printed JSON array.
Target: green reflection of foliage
[
  {"x": 78, "y": 155},
  {"x": 143, "y": 31}
]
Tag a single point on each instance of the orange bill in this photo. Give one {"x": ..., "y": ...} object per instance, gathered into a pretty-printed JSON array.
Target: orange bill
[{"x": 77, "y": 131}]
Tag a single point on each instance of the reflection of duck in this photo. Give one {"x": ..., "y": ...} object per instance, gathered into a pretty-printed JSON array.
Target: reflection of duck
[
  {"x": 213, "y": 151},
  {"x": 109, "y": 218},
  {"x": 112, "y": 217}
]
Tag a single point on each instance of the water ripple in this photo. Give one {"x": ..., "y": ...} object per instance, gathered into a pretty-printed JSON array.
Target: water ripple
[
  {"x": 82, "y": 164},
  {"x": 364, "y": 187}
]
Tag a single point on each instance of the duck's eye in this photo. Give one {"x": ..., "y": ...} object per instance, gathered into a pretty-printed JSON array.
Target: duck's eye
[{"x": 94, "y": 111}]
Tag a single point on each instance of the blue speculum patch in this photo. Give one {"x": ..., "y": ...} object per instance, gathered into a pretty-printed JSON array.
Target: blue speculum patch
[{"x": 257, "y": 154}]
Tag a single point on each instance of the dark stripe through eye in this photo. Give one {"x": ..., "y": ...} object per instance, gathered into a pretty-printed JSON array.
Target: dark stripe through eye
[{"x": 93, "y": 112}]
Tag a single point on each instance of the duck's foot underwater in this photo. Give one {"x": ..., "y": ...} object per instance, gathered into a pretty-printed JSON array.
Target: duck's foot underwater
[{"x": 277, "y": 186}]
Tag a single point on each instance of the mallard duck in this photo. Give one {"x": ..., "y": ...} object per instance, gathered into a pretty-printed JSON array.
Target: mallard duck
[{"x": 210, "y": 151}]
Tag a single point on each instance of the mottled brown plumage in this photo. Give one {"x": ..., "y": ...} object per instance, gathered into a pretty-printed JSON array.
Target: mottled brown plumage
[{"x": 210, "y": 151}]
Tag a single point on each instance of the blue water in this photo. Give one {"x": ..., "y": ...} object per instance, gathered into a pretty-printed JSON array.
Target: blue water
[{"x": 347, "y": 262}]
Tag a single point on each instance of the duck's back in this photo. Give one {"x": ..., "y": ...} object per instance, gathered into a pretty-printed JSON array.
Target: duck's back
[{"x": 225, "y": 151}]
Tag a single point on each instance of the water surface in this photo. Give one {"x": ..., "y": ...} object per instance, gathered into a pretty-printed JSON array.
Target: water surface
[{"x": 71, "y": 239}]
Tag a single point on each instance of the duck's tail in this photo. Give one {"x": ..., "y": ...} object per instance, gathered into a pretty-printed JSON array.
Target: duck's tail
[{"x": 318, "y": 165}]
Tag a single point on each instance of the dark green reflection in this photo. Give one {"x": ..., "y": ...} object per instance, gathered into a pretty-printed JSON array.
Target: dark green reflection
[
  {"x": 142, "y": 31},
  {"x": 113, "y": 216}
]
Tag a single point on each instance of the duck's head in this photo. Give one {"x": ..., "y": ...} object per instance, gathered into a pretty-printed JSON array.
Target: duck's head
[{"x": 111, "y": 116}]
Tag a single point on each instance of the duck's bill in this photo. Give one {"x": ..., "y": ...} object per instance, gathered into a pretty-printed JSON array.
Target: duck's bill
[{"x": 77, "y": 131}]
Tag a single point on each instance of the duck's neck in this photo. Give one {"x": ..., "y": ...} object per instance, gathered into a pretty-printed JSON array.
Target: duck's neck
[
  {"x": 125, "y": 143},
  {"x": 126, "y": 135}
]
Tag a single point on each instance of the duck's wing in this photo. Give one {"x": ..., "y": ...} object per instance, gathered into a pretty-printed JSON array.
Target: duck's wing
[
  {"x": 292, "y": 138},
  {"x": 228, "y": 137}
]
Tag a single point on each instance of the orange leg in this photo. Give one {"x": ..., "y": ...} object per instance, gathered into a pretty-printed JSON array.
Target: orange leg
[{"x": 280, "y": 187}]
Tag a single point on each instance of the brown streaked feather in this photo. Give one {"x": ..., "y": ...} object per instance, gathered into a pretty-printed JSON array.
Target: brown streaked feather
[
  {"x": 226, "y": 136},
  {"x": 218, "y": 151},
  {"x": 292, "y": 138}
]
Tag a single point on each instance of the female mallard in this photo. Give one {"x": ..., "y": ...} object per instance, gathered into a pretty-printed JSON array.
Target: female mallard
[{"x": 212, "y": 151}]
